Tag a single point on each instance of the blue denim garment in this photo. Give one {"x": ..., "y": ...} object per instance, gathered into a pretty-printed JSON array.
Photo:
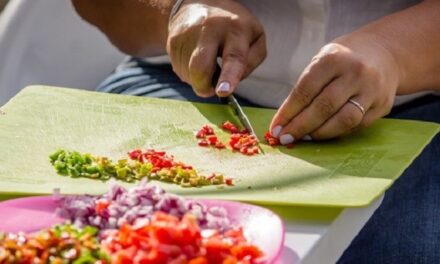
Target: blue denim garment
[
  {"x": 405, "y": 228},
  {"x": 140, "y": 78}
]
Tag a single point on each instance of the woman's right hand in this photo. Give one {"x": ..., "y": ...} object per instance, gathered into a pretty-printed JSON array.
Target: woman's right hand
[{"x": 203, "y": 30}]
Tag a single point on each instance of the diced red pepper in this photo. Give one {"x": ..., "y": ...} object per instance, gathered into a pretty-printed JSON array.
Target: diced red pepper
[
  {"x": 271, "y": 140},
  {"x": 212, "y": 139},
  {"x": 290, "y": 146},
  {"x": 212, "y": 176},
  {"x": 135, "y": 154},
  {"x": 220, "y": 145},
  {"x": 229, "y": 126},
  {"x": 229, "y": 182},
  {"x": 203, "y": 142},
  {"x": 240, "y": 140}
]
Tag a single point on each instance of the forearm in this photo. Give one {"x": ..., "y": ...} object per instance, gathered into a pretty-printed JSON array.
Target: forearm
[
  {"x": 412, "y": 39},
  {"x": 136, "y": 27}
]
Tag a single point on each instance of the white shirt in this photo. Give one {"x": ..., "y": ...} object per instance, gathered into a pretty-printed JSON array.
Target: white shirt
[{"x": 296, "y": 30}]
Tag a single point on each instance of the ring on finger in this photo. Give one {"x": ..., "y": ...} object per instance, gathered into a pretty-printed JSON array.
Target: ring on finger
[{"x": 358, "y": 105}]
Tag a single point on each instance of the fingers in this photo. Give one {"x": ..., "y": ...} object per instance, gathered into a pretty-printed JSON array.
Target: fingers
[
  {"x": 332, "y": 98},
  {"x": 257, "y": 54},
  {"x": 234, "y": 63},
  {"x": 202, "y": 66},
  {"x": 345, "y": 121},
  {"x": 315, "y": 77},
  {"x": 332, "y": 95},
  {"x": 175, "y": 49}
]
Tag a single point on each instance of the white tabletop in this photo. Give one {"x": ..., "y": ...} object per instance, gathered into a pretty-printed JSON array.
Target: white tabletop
[{"x": 324, "y": 241}]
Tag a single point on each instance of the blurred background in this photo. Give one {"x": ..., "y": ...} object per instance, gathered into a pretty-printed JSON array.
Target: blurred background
[
  {"x": 45, "y": 42},
  {"x": 2, "y": 4}
]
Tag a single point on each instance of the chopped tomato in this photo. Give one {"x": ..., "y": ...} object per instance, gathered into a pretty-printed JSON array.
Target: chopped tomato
[
  {"x": 199, "y": 260},
  {"x": 167, "y": 239}
]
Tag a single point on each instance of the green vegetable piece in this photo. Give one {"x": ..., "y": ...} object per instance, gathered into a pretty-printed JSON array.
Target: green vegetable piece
[
  {"x": 121, "y": 173},
  {"x": 60, "y": 166},
  {"x": 145, "y": 169},
  {"x": 55, "y": 156},
  {"x": 89, "y": 230},
  {"x": 92, "y": 169},
  {"x": 73, "y": 172},
  {"x": 122, "y": 162},
  {"x": 88, "y": 158}
]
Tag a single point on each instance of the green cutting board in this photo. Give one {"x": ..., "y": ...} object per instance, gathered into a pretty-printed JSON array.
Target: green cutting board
[{"x": 341, "y": 173}]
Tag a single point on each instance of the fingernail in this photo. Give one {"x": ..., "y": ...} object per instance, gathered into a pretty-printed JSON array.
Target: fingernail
[
  {"x": 276, "y": 131},
  {"x": 224, "y": 87},
  {"x": 307, "y": 138},
  {"x": 286, "y": 139}
]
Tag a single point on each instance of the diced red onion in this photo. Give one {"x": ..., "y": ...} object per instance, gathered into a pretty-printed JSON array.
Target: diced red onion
[{"x": 133, "y": 205}]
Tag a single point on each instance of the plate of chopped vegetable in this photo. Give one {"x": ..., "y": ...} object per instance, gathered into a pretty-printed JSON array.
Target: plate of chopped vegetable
[{"x": 143, "y": 224}]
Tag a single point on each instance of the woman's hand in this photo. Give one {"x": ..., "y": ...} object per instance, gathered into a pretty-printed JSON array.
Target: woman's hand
[
  {"x": 206, "y": 29},
  {"x": 356, "y": 68}
]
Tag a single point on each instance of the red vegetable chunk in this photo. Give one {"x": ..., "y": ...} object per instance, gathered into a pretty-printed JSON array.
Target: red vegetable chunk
[{"x": 166, "y": 239}]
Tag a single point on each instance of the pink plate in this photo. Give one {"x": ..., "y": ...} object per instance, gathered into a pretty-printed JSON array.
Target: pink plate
[{"x": 261, "y": 226}]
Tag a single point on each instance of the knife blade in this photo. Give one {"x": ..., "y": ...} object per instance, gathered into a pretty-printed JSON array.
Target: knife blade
[{"x": 236, "y": 108}]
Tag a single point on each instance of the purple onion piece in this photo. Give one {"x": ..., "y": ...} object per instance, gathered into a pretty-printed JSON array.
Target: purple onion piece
[{"x": 133, "y": 205}]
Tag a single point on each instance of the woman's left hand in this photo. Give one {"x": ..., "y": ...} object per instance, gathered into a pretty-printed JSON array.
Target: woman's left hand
[{"x": 348, "y": 85}]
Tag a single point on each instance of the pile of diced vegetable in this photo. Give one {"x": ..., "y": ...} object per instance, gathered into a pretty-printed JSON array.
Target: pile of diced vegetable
[{"x": 143, "y": 224}]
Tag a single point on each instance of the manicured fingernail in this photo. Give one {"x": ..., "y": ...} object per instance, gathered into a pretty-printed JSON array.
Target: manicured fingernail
[
  {"x": 276, "y": 131},
  {"x": 307, "y": 138},
  {"x": 286, "y": 139},
  {"x": 224, "y": 87}
]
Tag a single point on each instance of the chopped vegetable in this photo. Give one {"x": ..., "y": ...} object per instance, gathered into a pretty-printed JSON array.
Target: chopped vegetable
[
  {"x": 233, "y": 129},
  {"x": 244, "y": 143},
  {"x": 150, "y": 164},
  {"x": 240, "y": 140},
  {"x": 168, "y": 239},
  {"x": 273, "y": 141},
  {"x": 59, "y": 244},
  {"x": 166, "y": 169},
  {"x": 162, "y": 239},
  {"x": 207, "y": 137},
  {"x": 120, "y": 206},
  {"x": 206, "y": 130}
]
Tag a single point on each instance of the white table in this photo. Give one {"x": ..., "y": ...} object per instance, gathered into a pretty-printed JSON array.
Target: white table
[{"x": 324, "y": 241}]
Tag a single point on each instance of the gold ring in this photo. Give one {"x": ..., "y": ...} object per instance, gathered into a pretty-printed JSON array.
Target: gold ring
[{"x": 358, "y": 105}]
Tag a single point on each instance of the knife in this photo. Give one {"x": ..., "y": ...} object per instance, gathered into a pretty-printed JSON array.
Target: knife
[{"x": 236, "y": 108}]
